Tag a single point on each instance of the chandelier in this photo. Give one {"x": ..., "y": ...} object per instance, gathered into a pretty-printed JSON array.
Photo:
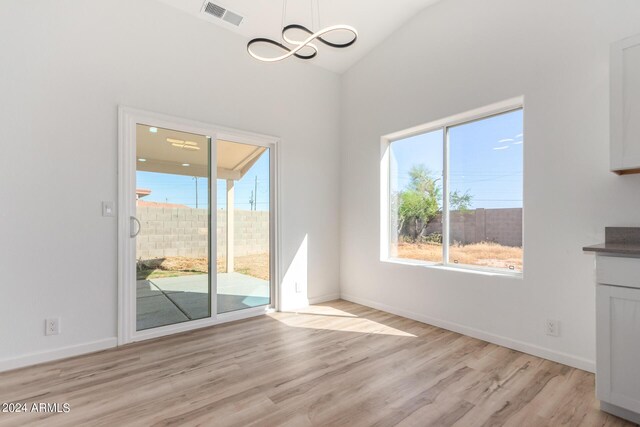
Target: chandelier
[{"x": 297, "y": 45}]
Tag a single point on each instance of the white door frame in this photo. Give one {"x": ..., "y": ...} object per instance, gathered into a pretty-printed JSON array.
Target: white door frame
[{"x": 128, "y": 118}]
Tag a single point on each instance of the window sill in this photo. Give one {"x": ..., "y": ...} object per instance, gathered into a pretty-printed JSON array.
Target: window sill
[{"x": 455, "y": 268}]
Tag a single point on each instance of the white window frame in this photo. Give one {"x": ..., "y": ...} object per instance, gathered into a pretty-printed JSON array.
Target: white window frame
[{"x": 481, "y": 113}]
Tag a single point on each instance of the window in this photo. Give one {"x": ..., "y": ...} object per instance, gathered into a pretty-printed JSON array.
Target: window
[{"x": 453, "y": 191}]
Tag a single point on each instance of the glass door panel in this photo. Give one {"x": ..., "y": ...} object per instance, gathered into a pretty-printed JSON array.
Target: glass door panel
[
  {"x": 243, "y": 217},
  {"x": 173, "y": 283}
]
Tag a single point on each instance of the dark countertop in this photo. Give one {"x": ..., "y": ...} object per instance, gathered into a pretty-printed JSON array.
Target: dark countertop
[
  {"x": 618, "y": 240},
  {"x": 615, "y": 248}
]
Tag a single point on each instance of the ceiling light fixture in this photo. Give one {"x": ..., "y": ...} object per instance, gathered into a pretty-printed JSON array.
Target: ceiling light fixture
[
  {"x": 187, "y": 145},
  {"x": 153, "y": 130},
  {"x": 298, "y": 45},
  {"x": 142, "y": 160},
  {"x": 186, "y": 164}
]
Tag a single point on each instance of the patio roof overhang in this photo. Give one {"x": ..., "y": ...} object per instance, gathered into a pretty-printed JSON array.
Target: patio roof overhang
[{"x": 182, "y": 153}]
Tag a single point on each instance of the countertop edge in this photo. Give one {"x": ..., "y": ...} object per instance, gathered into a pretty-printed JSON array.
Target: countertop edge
[{"x": 613, "y": 248}]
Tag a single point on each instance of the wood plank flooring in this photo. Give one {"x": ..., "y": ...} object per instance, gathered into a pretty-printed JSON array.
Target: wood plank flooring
[{"x": 335, "y": 364}]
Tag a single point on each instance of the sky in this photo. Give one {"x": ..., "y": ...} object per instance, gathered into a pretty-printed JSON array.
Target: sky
[
  {"x": 179, "y": 189},
  {"x": 485, "y": 159}
]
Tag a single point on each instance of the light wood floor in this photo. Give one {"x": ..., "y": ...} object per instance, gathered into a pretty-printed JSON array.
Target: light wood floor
[{"x": 336, "y": 364}]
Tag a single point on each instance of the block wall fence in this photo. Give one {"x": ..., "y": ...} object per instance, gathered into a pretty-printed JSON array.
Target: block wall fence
[
  {"x": 169, "y": 232},
  {"x": 503, "y": 226}
]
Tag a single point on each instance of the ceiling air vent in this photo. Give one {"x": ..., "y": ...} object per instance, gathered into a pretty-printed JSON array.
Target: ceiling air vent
[
  {"x": 222, "y": 13},
  {"x": 214, "y": 9},
  {"x": 232, "y": 18}
]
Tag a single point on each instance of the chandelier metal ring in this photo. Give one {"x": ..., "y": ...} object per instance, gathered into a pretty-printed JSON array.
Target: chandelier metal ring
[
  {"x": 320, "y": 38},
  {"x": 289, "y": 53}
]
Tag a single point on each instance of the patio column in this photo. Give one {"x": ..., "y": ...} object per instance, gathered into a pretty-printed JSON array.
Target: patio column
[{"x": 230, "y": 225}]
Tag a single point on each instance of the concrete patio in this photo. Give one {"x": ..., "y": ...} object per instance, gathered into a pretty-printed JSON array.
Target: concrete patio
[{"x": 172, "y": 300}]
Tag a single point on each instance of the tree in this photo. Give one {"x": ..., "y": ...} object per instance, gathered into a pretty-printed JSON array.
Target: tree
[
  {"x": 418, "y": 204},
  {"x": 460, "y": 201}
]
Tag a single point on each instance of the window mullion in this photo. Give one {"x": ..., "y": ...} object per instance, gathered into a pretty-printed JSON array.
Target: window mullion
[{"x": 445, "y": 196}]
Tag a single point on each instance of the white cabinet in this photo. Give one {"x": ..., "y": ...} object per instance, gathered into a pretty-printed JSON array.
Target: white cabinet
[
  {"x": 618, "y": 335},
  {"x": 625, "y": 106},
  {"x": 618, "y": 348}
]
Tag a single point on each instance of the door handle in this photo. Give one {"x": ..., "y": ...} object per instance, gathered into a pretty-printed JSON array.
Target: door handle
[{"x": 134, "y": 219}]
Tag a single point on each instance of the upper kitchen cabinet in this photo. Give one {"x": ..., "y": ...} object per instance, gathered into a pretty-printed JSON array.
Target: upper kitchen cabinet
[{"x": 625, "y": 106}]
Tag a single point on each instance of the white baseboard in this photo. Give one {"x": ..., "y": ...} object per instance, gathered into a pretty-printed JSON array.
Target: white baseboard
[
  {"x": 535, "y": 350},
  {"x": 59, "y": 353},
  {"x": 324, "y": 298},
  {"x": 564, "y": 358}
]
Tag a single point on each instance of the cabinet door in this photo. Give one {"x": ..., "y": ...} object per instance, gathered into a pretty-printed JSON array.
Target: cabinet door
[
  {"x": 625, "y": 104},
  {"x": 618, "y": 346}
]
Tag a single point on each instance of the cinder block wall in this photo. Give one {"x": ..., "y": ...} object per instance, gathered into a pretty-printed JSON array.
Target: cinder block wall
[
  {"x": 503, "y": 226},
  {"x": 183, "y": 232}
]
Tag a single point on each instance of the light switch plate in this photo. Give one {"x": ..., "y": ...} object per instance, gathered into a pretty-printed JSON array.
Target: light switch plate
[{"x": 108, "y": 209}]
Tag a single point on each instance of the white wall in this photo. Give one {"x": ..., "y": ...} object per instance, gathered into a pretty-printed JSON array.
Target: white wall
[
  {"x": 463, "y": 54},
  {"x": 67, "y": 65},
  {"x": 65, "y": 68}
]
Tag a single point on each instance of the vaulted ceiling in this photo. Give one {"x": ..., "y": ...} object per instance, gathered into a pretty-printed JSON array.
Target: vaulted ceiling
[{"x": 375, "y": 20}]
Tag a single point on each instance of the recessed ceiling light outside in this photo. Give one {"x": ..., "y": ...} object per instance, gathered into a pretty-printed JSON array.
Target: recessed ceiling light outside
[
  {"x": 142, "y": 160},
  {"x": 186, "y": 164},
  {"x": 153, "y": 130},
  {"x": 187, "y": 145}
]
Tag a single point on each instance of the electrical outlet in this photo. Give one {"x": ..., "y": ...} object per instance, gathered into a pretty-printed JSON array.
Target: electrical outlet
[
  {"x": 552, "y": 327},
  {"x": 52, "y": 326}
]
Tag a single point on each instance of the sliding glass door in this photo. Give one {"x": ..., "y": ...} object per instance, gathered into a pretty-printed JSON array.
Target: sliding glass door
[
  {"x": 173, "y": 282},
  {"x": 244, "y": 223},
  {"x": 196, "y": 225}
]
